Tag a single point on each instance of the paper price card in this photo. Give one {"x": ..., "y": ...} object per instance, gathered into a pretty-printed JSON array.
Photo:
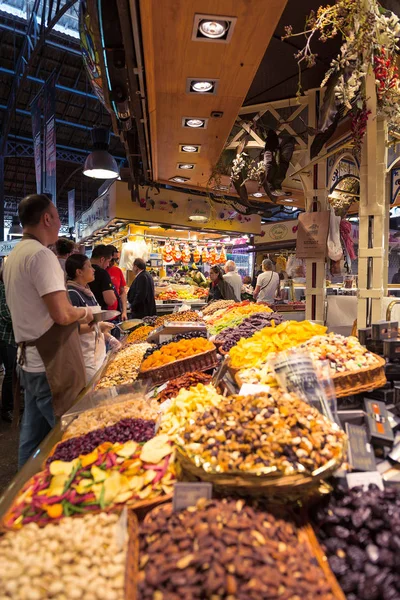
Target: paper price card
[
  {"x": 364, "y": 479},
  {"x": 187, "y": 494}
]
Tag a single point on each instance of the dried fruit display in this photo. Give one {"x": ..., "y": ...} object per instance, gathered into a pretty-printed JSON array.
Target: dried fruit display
[
  {"x": 124, "y": 368},
  {"x": 252, "y": 351},
  {"x": 72, "y": 559},
  {"x": 218, "y": 314},
  {"x": 140, "y": 334},
  {"x": 217, "y": 305},
  {"x": 186, "y": 316},
  {"x": 274, "y": 432},
  {"x": 231, "y": 335},
  {"x": 224, "y": 549},
  {"x": 128, "y": 407},
  {"x": 112, "y": 474},
  {"x": 181, "y": 336},
  {"x": 235, "y": 316},
  {"x": 137, "y": 430},
  {"x": 186, "y": 381},
  {"x": 360, "y": 532},
  {"x": 176, "y": 351},
  {"x": 186, "y": 404}
]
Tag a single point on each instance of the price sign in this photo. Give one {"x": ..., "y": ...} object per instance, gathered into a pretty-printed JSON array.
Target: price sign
[
  {"x": 248, "y": 389},
  {"x": 187, "y": 494},
  {"x": 364, "y": 479}
]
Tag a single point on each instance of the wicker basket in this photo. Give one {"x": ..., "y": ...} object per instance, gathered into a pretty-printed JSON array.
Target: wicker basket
[
  {"x": 306, "y": 535},
  {"x": 349, "y": 382},
  {"x": 277, "y": 489},
  {"x": 198, "y": 362},
  {"x": 132, "y": 557}
]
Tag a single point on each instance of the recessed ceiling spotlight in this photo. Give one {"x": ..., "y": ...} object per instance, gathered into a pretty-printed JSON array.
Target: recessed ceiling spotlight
[
  {"x": 201, "y": 86},
  {"x": 189, "y": 148},
  {"x": 258, "y": 194},
  {"x": 179, "y": 179},
  {"x": 288, "y": 200},
  {"x": 194, "y": 122},
  {"x": 222, "y": 188},
  {"x": 213, "y": 28},
  {"x": 153, "y": 227},
  {"x": 187, "y": 166}
]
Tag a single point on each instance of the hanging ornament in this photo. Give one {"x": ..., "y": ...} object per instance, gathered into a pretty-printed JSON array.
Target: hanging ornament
[
  {"x": 186, "y": 254},
  {"x": 222, "y": 256},
  {"x": 196, "y": 255},
  {"x": 167, "y": 252},
  {"x": 213, "y": 256},
  {"x": 176, "y": 253},
  {"x": 204, "y": 255}
]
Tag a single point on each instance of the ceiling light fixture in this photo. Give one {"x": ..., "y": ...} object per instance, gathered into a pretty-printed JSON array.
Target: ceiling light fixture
[
  {"x": 201, "y": 86},
  {"x": 100, "y": 164},
  {"x": 179, "y": 179},
  {"x": 213, "y": 28},
  {"x": 15, "y": 229},
  {"x": 189, "y": 148},
  {"x": 153, "y": 227},
  {"x": 258, "y": 195},
  {"x": 194, "y": 122},
  {"x": 188, "y": 166},
  {"x": 288, "y": 200}
]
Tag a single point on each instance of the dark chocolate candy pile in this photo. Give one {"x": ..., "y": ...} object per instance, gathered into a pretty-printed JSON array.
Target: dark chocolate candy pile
[
  {"x": 360, "y": 532},
  {"x": 231, "y": 335}
]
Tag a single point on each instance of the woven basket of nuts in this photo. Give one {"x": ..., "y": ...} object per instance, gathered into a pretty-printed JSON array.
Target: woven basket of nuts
[{"x": 272, "y": 444}]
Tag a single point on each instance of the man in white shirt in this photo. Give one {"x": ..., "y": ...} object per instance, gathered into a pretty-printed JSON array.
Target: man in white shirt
[
  {"x": 233, "y": 277},
  {"x": 36, "y": 296},
  {"x": 267, "y": 283}
]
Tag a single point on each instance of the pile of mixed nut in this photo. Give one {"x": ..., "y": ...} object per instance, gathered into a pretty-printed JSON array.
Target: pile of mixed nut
[
  {"x": 124, "y": 367},
  {"x": 273, "y": 432}
]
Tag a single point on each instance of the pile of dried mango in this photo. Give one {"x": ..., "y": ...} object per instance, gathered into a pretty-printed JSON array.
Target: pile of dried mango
[
  {"x": 251, "y": 352},
  {"x": 109, "y": 475},
  {"x": 176, "y": 351}
]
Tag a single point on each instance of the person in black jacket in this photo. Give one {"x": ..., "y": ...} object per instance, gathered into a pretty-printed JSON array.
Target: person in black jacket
[
  {"x": 220, "y": 289},
  {"x": 141, "y": 292}
]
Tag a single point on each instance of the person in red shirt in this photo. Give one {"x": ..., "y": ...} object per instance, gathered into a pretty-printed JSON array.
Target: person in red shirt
[{"x": 119, "y": 283}]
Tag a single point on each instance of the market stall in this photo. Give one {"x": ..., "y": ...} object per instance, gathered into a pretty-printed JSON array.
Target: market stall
[{"x": 233, "y": 397}]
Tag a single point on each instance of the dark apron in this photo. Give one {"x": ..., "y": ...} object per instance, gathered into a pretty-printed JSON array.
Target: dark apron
[{"x": 61, "y": 352}]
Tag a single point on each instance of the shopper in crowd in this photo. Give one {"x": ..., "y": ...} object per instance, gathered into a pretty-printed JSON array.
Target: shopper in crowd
[
  {"x": 8, "y": 355},
  {"x": 119, "y": 283},
  {"x": 102, "y": 286},
  {"x": 267, "y": 283},
  {"x": 220, "y": 289},
  {"x": 92, "y": 337},
  {"x": 51, "y": 368},
  {"x": 141, "y": 292},
  {"x": 64, "y": 248},
  {"x": 233, "y": 278},
  {"x": 247, "y": 287}
]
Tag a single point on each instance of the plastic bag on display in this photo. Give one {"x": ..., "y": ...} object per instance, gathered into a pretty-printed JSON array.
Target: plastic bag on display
[
  {"x": 132, "y": 250},
  {"x": 335, "y": 251},
  {"x": 296, "y": 372},
  {"x": 295, "y": 267}
]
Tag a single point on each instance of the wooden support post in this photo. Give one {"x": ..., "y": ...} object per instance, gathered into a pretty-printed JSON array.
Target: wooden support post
[
  {"x": 316, "y": 194},
  {"x": 374, "y": 215}
]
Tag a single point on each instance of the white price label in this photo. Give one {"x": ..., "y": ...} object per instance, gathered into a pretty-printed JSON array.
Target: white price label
[
  {"x": 364, "y": 479},
  {"x": 187, "y": 494},
  {"x": 248, "y": 389},
  {"x": 165, "y": 337}
]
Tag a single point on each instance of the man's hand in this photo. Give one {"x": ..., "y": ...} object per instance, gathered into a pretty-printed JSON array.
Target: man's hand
[
  {"x": 105, "y": 327},
  {"x": 124, "y": 316}
]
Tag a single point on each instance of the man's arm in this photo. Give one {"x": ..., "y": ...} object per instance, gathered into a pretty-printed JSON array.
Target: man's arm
[
  {"x": 61, "y": 310},
  {"x": 256, "y": 291},
  {"x": 109, "y": 297},
  {"x": 124, "y": 302}
]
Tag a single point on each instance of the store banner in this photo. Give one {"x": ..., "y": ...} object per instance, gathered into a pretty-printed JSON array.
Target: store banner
[
  {"x": 36, "y": 112},
  {"x": 312, "y": 235},
  {"x": 50, "y": 153},
  {"x": 71, "y": 208}
]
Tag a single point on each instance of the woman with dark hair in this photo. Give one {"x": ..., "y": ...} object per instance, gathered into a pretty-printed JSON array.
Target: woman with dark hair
[
  {"x": 220, "y": 289},
  {"x": 80, "y": 273}
]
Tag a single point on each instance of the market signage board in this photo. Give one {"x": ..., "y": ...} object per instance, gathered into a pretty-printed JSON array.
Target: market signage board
[
  {"x": 277, "y": 232},
  {"x": 98, "y": 216}
]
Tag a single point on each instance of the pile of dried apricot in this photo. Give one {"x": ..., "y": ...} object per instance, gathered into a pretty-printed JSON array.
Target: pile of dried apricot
[{"x": 175, "y": 351}]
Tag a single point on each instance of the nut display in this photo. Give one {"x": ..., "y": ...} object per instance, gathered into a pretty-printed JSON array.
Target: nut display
[
  {"x": 140, "y": 334},
  {"x": 112, "y": 474},
  {"x": 186, "y": 381},
  {"x": 77, "y": 558},
  {"x": 360, "y": 532},
  {"x": 186, "y": 316},
  {"x": 230, "y": 336},
  {"x": 176, "y": 351},
  {"x": 343, "y": 353},
  {"x": 268, "y": 433},
  {"x": 224, "y": 549},
  {"x": 251, "y": 352},
  {"x": 137, "y": 430},
  {"x": 217, "y": 305},
  {"x": 188, "y": 402},
  {"x": 108, "y": 414},
  {"x": 124, "y": 368}
]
